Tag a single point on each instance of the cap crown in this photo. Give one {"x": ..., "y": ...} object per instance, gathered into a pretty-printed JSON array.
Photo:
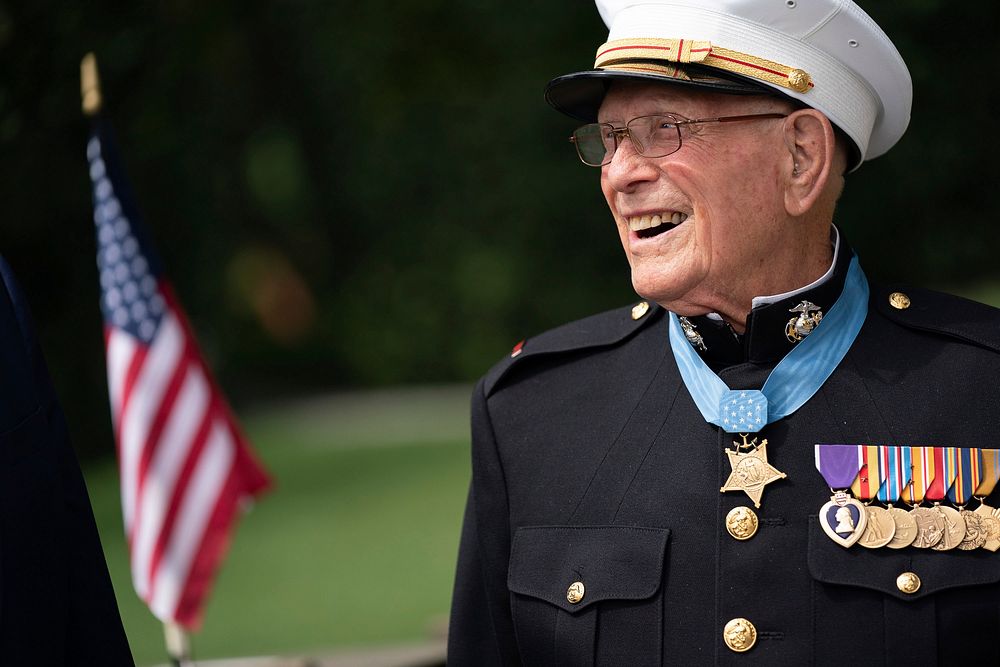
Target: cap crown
[{"x": 858, "y": 79}]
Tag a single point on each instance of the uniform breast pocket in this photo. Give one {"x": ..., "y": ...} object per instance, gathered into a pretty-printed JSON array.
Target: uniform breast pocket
[
  {"x": 588, "y": 595},
  {"x": 906, "y": 606}
]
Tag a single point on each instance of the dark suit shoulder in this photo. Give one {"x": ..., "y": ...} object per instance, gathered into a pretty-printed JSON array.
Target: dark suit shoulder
[
  {"x": 600, "y": 331},
  {"x": 939, "y": 313}
]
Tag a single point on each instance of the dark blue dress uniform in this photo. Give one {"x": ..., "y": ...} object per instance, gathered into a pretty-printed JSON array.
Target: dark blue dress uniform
[
  {"x": 57, "y": 606},
  {"x": 595, "y": 532}
]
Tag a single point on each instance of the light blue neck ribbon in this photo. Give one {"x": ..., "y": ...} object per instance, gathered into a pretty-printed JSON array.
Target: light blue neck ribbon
[{"x": 796, "y": 378}]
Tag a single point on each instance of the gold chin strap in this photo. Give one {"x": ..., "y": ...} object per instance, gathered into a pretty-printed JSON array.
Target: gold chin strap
[{"x": 638, "y": 55}]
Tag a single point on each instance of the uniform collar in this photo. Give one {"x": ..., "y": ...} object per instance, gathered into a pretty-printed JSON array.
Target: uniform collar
[{"x": 765, "y": 340}]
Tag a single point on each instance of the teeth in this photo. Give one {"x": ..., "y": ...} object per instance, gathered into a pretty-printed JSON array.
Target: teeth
[{"x": 639, "y": 223}]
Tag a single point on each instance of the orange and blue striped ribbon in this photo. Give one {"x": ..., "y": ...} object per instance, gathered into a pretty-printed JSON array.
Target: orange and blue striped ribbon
[
  {"x": 867, "y": 483},
  {"x": 924, "y": 473},
  {"x": 895, "y": 469},
  {"x": 990, "y": 470},
  {"x": 969, "y": 475}
]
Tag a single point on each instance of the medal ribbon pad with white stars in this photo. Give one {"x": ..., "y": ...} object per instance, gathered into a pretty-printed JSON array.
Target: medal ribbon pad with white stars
[{"x": 743, "y": 410}]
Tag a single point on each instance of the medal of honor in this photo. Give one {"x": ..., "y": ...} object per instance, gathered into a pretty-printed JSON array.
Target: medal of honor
[
  {"x": 946, "y": 463},
  {"x": 792, "y": 382},
  {"x": 751, "y": 472},
  {"x": 843, "y": 518},
  {"x": 879, "y": 528},
  {"x": 990, "y": 471}
]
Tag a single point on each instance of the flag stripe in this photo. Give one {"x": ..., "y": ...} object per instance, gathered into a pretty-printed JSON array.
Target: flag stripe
[
  {"x": 202, "y": 494},
  {"x": 144, "y": 400},
  {"x": 214, "y": 542},
  {"x": 121, "y": 353},
  {"x": 165, "y": 467},
  {"x": 205, "y": 426},
  {"x": 161, "y": 414}
]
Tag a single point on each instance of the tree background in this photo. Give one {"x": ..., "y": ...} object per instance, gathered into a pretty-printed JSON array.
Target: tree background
[{"x": 361, "y": 194}]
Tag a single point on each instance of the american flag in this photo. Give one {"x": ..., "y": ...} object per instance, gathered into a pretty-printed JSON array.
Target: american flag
[{"x": 185, "y": 467}]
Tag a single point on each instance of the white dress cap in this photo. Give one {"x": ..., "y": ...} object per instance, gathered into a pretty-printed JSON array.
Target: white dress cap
[{"x": 828, "y": 54}]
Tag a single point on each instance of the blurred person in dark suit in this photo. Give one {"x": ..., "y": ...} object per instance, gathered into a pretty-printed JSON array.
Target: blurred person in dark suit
[{"x": 57, "y": 606}]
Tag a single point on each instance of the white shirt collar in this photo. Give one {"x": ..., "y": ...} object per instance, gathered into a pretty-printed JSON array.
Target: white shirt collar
[{"x": 773, "y": 298}]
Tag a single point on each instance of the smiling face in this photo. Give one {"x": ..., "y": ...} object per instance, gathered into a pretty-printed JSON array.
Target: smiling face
[{"x": 719, "y": 200}]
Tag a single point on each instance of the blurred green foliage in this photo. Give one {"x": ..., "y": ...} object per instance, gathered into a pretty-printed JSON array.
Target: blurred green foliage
[{"x": 372, "y": 193}]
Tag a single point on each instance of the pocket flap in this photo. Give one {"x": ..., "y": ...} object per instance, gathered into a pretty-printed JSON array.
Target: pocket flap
[
  {"x": 878, "y": 569},
  {"x": 612, "y": 562}
]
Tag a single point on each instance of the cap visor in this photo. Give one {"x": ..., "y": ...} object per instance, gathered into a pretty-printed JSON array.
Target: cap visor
[{"x": 579, "y": 95}]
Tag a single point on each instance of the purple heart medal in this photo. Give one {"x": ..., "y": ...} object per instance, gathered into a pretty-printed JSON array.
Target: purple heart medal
[{"x": 843, "y": 518}]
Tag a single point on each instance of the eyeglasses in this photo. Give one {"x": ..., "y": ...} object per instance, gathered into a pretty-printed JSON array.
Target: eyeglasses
[{"x": 651, "y": 136}]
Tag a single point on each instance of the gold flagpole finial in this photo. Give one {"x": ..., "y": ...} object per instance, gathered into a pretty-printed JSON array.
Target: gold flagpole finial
[{"x": 90, "y": 85}]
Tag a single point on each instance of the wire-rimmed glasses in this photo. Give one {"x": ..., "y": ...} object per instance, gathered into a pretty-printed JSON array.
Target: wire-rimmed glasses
[{"x": 657, "y": 135}]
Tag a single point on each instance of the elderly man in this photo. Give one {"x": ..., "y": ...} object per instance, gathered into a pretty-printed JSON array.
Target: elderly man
[{"x": 652, "y": 485}]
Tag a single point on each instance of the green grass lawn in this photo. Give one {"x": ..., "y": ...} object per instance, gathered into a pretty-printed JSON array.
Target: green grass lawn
[{"x": 355, "y": 545}]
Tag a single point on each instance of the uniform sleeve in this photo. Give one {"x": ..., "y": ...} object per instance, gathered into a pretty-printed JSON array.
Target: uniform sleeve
[
  {"x": 92, "y": 632},
  {"x": 481, "y": 631}
]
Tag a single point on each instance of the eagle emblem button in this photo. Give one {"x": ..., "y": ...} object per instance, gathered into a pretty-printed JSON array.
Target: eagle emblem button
[
  {"x": 575, "y": 592},
  {"x": 739, "y": 635},
  {"x": 741, "y": 523},
  {"x": 908, "y": 583},
  {"x": 899, "y": 301}
]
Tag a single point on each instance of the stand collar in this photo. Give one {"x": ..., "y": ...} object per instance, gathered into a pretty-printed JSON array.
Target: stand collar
[{"x": 765, "y": 340}]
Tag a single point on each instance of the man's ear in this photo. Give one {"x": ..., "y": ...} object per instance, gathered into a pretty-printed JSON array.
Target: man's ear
[{"x": 812, "y": 150}]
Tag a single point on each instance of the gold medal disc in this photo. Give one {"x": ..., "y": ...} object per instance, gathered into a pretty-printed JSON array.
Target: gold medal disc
[
  {"x": 975, "y": 532},
  {"x": 954, "y": 528},
  {"x": 879, "y": 529},
  {"x": 991, "y": 524},
  {"x": 906, "y": 528},
  {"x": 930, "y": 527}
]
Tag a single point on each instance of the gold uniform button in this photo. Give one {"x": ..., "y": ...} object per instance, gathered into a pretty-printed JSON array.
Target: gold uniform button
[
  {"x": 799, "y": 80},
  {"x": 908, "y": 583},
  {"x": 640, "y": 309},
  {"x": 741, "y": 523},
  {"x": 899, "y": 301},
  {"x": 575, "y": 592},
  {"x": 740, "y": 635}
]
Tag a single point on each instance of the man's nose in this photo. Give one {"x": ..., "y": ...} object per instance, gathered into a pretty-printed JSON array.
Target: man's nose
[{"x": 627, "y": 167}]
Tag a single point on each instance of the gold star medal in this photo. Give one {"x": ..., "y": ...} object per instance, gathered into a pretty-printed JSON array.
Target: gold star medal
[{"x": 751, "y": 471}]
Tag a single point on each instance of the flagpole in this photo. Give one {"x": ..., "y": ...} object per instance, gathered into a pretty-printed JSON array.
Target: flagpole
[
  {"x": 178, "y": 645},
  {"x": 90, "y": 85},
  {"x": 177, "y": 640}
]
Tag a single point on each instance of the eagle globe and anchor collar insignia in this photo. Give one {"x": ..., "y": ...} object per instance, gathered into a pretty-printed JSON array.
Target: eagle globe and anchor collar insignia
[
  {"x": 692, "y": 335},
  {"x": 808, "y": 319},
  {"x": 796, "y": 378}
]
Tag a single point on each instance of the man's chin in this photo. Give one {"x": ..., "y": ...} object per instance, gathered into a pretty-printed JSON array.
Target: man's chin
[{"x": 652, "y": 286}]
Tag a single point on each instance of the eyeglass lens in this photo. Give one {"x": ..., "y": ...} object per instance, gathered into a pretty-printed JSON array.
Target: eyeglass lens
[{"x": 651, "y": 136}]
